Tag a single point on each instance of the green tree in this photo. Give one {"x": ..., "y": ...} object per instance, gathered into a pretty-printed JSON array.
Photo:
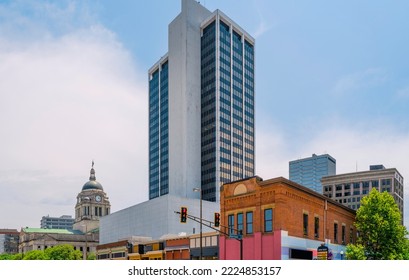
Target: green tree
[
  {"x": 35, "y": 255},
  {"x": 381, "y": 233},
  {"x": 63, "y": 252},
  {"x": 406, "y": 250},
  {"x": 58, "y": 252},
  {"x": 6, "y": 256},
  {"x": 18, "y": 256},
  {"x": 91, "y": 256},
  {"x": 355, "y": 252}
]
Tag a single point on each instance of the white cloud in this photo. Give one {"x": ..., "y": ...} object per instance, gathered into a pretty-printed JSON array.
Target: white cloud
[
  {"x": 261, "y": 29},
  {"x": 64, "y": 101},
  {"x": 263, "y": 25}
]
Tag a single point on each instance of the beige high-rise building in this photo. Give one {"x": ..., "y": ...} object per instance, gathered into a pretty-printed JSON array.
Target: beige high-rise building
[{"x": 350, "y": 188}]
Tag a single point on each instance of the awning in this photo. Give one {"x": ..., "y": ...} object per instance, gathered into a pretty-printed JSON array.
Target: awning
[
  {"x": 157, "y": 252},
  {"x": 176, "y": 248}
]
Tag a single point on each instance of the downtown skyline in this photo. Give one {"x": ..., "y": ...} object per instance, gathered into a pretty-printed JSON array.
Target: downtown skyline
[{"x": 330, "y": 78}]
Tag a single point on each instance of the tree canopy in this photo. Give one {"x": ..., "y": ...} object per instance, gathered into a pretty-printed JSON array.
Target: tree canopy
[
  {"x": 58, "y": 252},
  {"x": 91, "y": 256},
  {"x": 381, "y": 233},
  {"x": 63, "y": 252},
  {"x": 6, "y": 256},
  {"x": 35, "y": 255}
]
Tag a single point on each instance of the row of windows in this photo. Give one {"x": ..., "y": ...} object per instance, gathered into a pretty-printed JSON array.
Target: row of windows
[
  {"x": 97, "y": 211},
  {"x": 238, "y": 225},
  {"x": 249, "y": 83},
  {"x": 208, "y": 179},
  {"x": 225, "y": 48},
  {"x": 224, "y": 58},
  {"x": 317, "y": 230},
  {"x": 316, "y": 226},
  {"x": 111, "y": 256},
  {"x": 343, "y": 234},
  {"x": 208, "y": 101},
  {"x": 153, "y": 192},
  {"x": 358, "y": 185},
  {"x": 249, "y": 110},
  {"x": 355, "y": 192},
  {"x": 207, "y": 241}
]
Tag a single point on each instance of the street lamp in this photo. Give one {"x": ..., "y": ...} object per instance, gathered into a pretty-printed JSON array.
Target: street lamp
[
  {"x": 201, "y": 232},
  {"x": 342, "y": 255},
  {"x": 85, "y": 255}
]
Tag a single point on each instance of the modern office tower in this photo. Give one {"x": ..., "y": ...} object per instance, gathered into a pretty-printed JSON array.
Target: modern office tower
[
  {"x": 309, "y": 171},
  {"x": 63, "y": 222},
  {"x": 201, "y": 106},
  {"x": 349, "y": 188}
]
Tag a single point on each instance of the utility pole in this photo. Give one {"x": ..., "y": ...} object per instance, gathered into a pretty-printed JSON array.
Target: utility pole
[{"x": 201, "y": 223}]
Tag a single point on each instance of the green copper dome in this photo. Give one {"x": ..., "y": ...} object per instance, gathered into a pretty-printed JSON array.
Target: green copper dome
[{"x": 92, "y": 184}]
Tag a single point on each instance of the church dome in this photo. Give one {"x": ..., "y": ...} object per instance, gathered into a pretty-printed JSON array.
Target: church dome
[{"x": 92, "y": 184}]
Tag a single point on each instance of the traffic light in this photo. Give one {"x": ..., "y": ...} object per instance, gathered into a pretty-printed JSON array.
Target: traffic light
[
  {"x": 216, "y": 219},
  {"x": 183, "y": 214}
]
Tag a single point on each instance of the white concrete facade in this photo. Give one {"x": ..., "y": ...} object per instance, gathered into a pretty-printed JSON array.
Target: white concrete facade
[
  {"x": 155, "y": 218},
  {"x": 184, "y": 100}
]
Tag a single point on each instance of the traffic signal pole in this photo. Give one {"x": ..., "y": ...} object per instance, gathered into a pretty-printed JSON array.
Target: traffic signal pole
[{"x": 201, "y": 221}]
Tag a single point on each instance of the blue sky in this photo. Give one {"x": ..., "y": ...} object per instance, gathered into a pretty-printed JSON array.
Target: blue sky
[{"x": 331, "y": 77}]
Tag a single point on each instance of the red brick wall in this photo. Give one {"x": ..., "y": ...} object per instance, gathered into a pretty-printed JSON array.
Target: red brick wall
[
  {"x": 289, "y": 202},
  {"x": 178, "y": 242},
  {"x": 178, "y": 255}
]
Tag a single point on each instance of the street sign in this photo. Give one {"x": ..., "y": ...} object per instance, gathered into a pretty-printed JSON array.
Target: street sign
[
  {"x": 322, "y": 252},
  {"x": 236, "y": 236}
]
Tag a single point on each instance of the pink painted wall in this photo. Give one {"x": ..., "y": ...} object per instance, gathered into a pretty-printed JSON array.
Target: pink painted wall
[
  {"x": 222, "y": 247},
  {"x": 277, "y": 245},
  {"x": 255, "y": 247}
]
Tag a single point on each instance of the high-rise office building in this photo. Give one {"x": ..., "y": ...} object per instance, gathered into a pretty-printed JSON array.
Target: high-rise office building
[
  {"x": 309, "y": 171},
  {"x": 201, "y": 106},
  {"x": 201, "y": 125},
  {"x": 350, "y": 188}
]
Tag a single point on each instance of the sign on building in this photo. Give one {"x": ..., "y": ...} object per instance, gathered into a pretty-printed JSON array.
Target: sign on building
[{"x": 322, "y": 252}]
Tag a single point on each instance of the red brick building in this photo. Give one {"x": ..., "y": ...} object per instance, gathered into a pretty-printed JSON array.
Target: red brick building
[
  {"x": 177, "y": 249},
  {"x": 280, "y": 219}
]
